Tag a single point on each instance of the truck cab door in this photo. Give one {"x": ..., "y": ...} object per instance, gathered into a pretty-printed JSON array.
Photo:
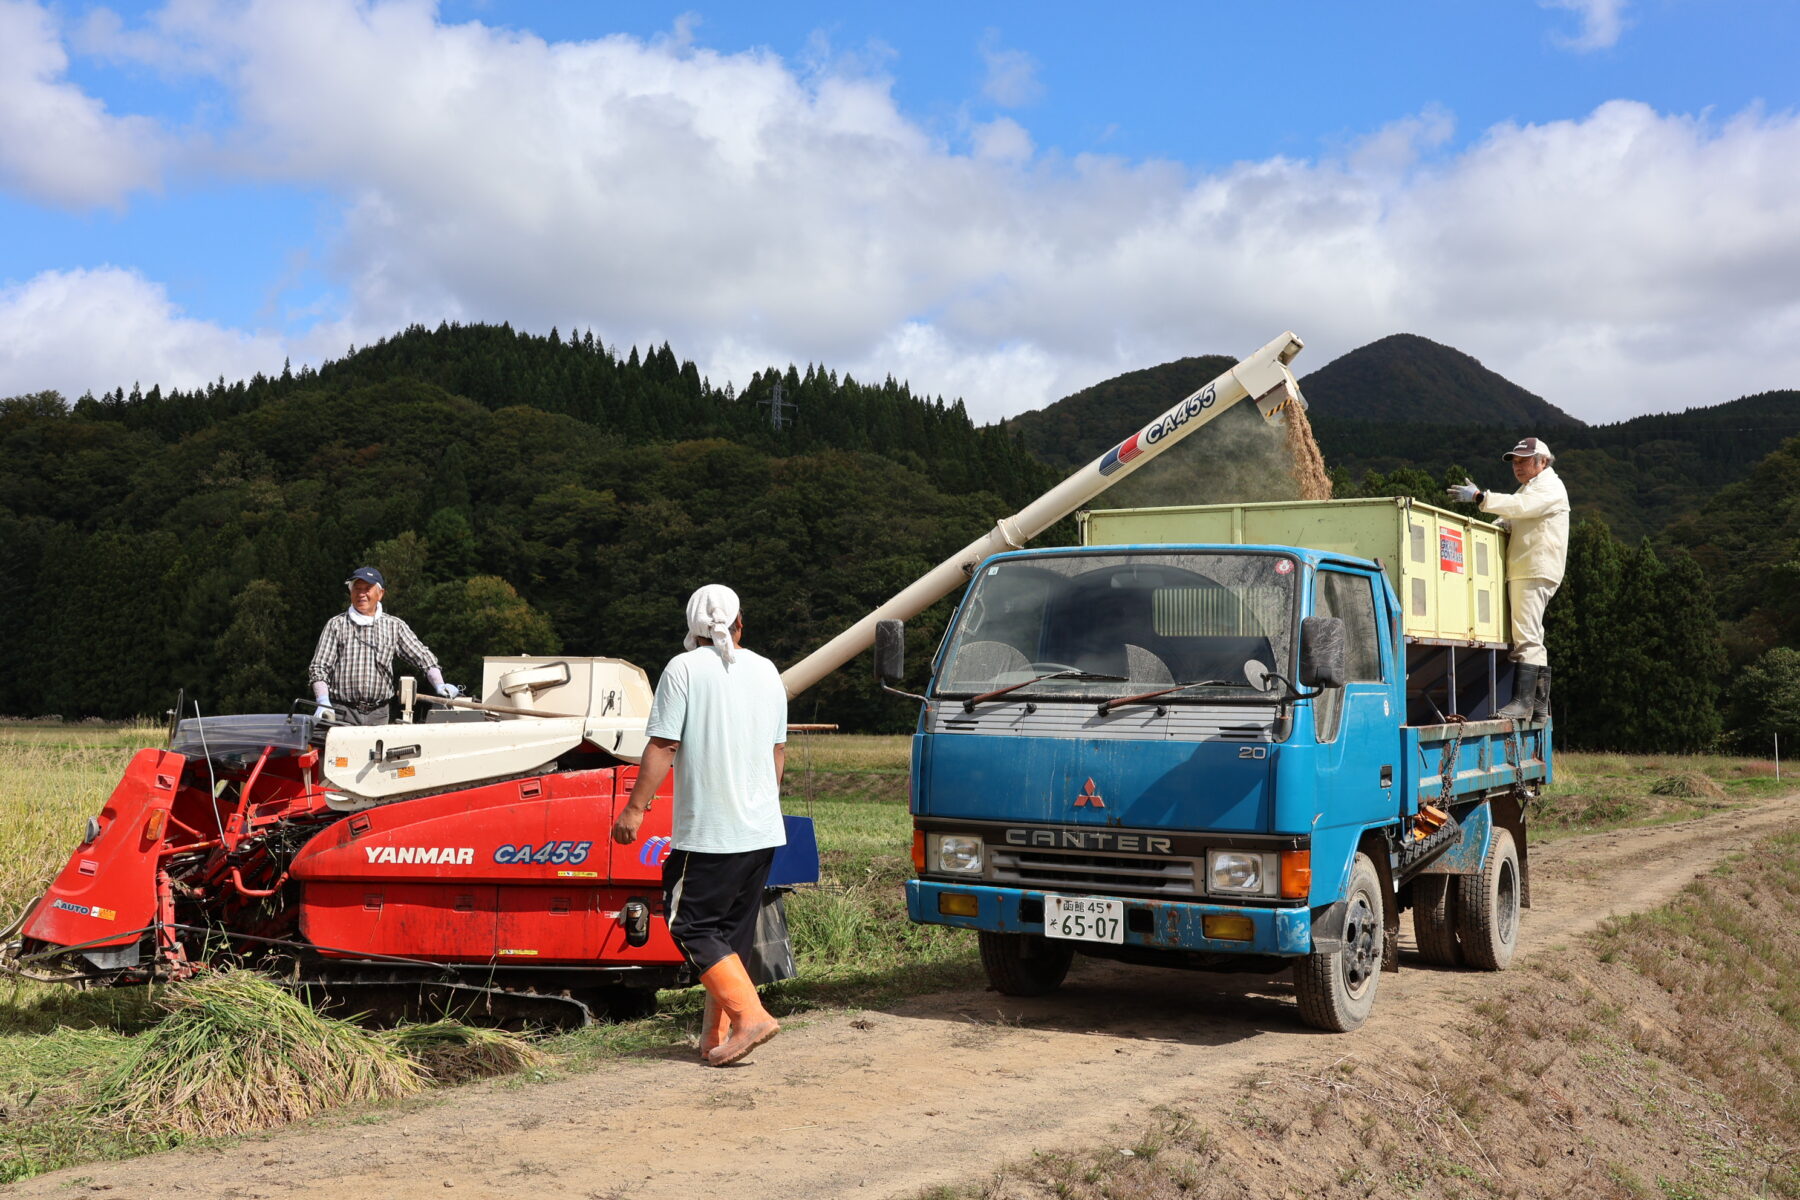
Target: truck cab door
[{"x": 1355, "y": 725}]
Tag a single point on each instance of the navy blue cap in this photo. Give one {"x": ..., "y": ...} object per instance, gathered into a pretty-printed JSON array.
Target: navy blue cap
[{"x": 367, "y": 575}]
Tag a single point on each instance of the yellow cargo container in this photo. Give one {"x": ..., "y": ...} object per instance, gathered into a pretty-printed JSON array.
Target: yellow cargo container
[{"x": 1448, "y": 570}]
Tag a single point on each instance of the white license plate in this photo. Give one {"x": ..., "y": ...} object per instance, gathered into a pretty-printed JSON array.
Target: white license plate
[{"x": 1084, "y": 919}]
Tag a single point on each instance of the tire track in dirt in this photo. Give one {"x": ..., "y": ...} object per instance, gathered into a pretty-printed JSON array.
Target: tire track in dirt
[{"x": 940, "y": 1089}]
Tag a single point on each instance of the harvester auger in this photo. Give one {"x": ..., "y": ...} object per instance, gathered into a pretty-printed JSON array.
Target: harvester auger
[{"x": 462, "y": 864}]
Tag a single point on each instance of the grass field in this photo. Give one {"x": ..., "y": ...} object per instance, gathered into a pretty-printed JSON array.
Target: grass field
[{"x": 852, "y": 938}]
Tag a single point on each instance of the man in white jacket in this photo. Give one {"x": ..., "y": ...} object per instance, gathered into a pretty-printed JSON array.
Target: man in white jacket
[{"x": 1538, "y": 519}]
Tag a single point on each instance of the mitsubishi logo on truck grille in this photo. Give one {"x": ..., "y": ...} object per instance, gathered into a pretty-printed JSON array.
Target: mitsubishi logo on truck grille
[{"x": 1089, "y": 796}]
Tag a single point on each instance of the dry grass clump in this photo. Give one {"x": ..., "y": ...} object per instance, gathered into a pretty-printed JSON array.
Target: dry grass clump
[
  {"x": 1691, "y": 785},
  {"x": 451, "y": 1052},
  {"x": 239, "y": 1053}
]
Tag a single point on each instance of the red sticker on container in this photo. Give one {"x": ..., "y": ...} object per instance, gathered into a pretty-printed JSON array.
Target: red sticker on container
[
  {"x": 1284, "y": 566},
  {"x": 1450, "y": 551}
]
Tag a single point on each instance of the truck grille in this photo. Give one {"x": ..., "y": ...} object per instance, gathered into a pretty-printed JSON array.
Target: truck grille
[{"x": 1076, "y": 871}]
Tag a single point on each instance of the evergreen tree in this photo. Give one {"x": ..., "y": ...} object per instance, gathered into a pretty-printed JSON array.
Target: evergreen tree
[
  {"x": 1765, "y": 704},
  {"x": 258, "y": 677},
  {"x": 1582, "y": 635}
]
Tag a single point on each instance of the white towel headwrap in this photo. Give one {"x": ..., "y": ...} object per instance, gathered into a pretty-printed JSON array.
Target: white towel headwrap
[{"x": 711, "y": 612}]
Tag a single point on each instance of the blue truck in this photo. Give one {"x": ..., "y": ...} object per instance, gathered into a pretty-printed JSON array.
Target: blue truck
[{"x": 1229, "y": 756}]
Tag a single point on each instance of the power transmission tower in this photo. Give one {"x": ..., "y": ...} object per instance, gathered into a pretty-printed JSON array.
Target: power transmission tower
[{"x": 779, "y": 406}]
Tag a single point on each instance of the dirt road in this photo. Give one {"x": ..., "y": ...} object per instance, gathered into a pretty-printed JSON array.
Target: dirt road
[{"x": 939, "y": 1090}]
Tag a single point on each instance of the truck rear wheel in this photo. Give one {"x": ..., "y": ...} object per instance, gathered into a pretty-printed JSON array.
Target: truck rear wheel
[
  {"x": 1488, "y": 916},
  {"x": 1435, "y": 900},
  {"x": 1336, "y": 988},
  {"x": 1024, "y": 964}
]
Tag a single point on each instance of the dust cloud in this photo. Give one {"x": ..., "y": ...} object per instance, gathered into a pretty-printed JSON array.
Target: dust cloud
[{"x": 1238, "y": 458}]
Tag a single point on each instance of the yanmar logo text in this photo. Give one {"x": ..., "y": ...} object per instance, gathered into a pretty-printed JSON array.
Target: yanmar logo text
[{"x": 456, "y": 856}]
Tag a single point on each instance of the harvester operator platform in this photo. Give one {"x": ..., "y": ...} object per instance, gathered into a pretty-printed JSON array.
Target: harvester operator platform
[
  {"x": 353, "y": 668},
  {"x": 1537, "y": 517}
]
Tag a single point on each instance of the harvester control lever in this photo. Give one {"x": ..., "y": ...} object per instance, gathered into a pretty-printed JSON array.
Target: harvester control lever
[
  {"x": 382, "y": 754},
  {"x": 635, "y": 916}
]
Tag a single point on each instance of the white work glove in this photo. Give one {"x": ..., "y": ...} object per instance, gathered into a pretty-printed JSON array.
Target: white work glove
[
  {"x": 435, "y": 678},
  {"x": 1504, "y": 524},
  {"x": 1466, "y": 491},
  {"x": 322, "y": 697}
]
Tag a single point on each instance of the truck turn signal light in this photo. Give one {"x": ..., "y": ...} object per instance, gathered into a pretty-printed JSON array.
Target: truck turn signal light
[
  {"x": 919, "y": 851},
  {"x": 1296, "y": 874}
]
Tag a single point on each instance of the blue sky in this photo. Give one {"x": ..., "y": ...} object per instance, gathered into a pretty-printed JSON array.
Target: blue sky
[{"x": 1598, "y": 198}]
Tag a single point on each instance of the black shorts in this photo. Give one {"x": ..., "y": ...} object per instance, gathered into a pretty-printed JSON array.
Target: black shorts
[{"x": 713, "y": 901}]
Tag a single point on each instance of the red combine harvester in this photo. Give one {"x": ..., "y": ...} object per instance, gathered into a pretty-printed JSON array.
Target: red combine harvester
[{"x": 463, "y": 864}]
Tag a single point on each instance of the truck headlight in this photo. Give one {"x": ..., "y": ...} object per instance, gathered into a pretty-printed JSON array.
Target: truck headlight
[
  {"x": 955, "y": 854},
  {"x": 1242, "y": 872}
]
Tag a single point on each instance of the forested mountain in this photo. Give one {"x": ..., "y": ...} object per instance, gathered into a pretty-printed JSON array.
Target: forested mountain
[
  {"x": 1073, "y": 431},
  {"x": 200, "y": 540},
  {"x": 1636, "y": 475},
  {"x": 1404, "y": 377},
  {"x": 1747, "y": 540}
]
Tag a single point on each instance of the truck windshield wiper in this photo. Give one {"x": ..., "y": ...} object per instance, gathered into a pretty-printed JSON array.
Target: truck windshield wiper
[
  {"x": 1071, "y": 673},
  {"x": 1107, "y": 706}
]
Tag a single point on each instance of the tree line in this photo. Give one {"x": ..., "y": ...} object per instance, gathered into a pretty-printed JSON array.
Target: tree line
[{"x": 533, "y": 494}]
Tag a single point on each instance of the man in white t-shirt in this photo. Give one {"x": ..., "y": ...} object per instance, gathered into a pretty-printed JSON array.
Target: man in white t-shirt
[{"x": 720, "y": 713}]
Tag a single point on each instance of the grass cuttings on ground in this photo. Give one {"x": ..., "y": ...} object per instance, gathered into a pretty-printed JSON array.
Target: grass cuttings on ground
[
  {"x": 1613, "y": 791},
  {"x": 451, "y": 1052},
  {"x": 234, "y": 1053},
  {"x": 238, "y": 1053}
]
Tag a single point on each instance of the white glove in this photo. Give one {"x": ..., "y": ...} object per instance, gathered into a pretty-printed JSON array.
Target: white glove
[
  {"x": 325, "y": 711},
  {"x": 1504, "y": 524},
  {"x": 1466, "y": 491},
  {"x": 448, "y": 691},
  {"x": 322, "y": 697}
]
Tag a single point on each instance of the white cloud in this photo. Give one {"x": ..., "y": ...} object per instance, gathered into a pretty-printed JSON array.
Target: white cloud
[
  {"x": 1602, "y": 22},
  {"x": 754, "y": 213},
  {"x": 94, "y": 330},
  {"x": 59, "y": 145},
  {"x": 1012, "y": 80},
  {"x": 1002, "y": 139}
]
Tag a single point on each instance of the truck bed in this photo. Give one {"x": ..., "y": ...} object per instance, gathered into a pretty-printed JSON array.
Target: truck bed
[{"x": 1489, "y": 756}]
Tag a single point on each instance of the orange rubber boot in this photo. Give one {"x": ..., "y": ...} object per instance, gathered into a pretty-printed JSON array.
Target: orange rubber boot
[
  {"x": 714, "y": 1026},
  {"x": 728, "y": 983}
]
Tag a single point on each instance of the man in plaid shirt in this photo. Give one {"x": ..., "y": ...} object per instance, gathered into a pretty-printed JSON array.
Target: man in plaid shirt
[{"x": 355, "y": 659}]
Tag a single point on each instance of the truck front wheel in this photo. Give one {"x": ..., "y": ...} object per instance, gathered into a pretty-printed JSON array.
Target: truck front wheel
[
  {"x": 1336, "y": 988},
  {"x": 1489, "y": 913},
  {"x": 1024, "y": 964}
]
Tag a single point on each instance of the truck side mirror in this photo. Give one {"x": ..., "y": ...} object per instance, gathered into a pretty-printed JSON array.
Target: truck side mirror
[
  {"x": 890, "y": 650},
  {"x": 1322, "y": 652}
]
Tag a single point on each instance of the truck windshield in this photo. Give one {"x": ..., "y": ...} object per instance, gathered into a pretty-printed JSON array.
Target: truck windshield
[{"x": 1111, "y": 625}]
